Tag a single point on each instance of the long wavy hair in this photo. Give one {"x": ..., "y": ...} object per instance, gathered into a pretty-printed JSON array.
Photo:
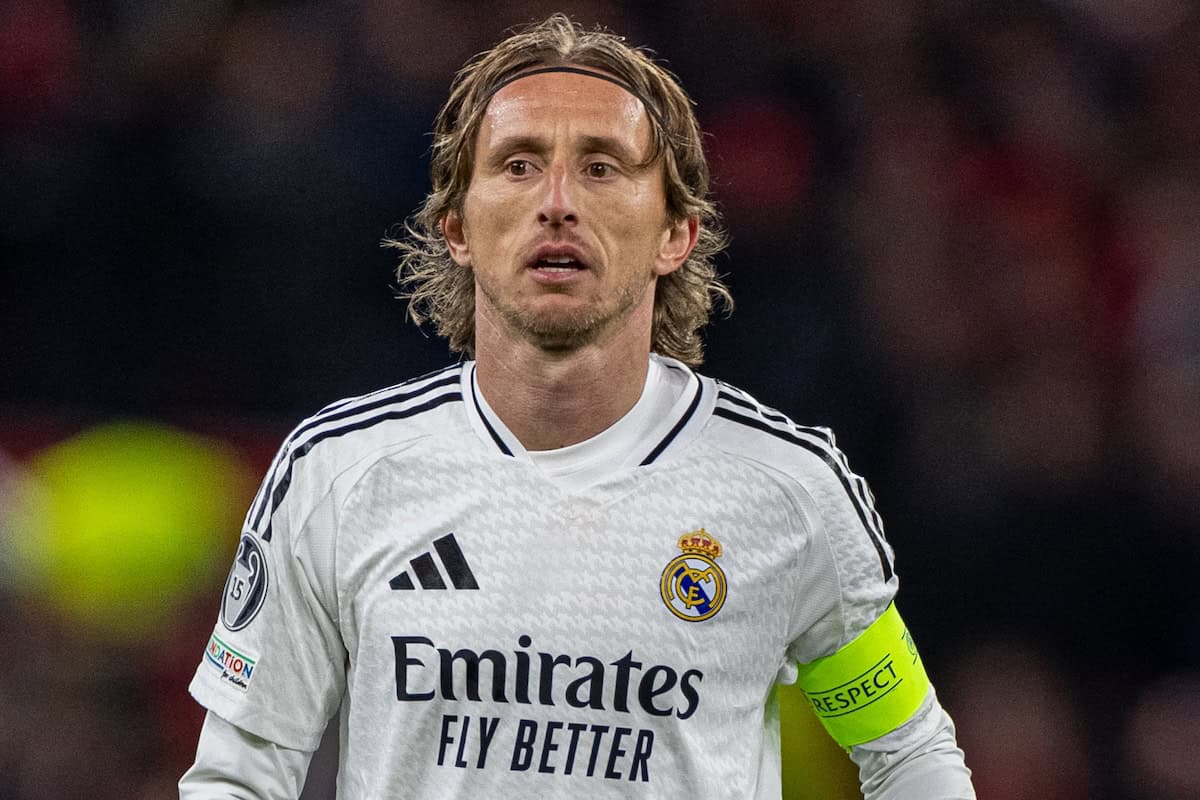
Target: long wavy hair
[{"x": 440, "y": 291}]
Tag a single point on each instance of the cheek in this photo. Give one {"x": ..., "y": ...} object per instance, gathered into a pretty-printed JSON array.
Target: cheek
[
  {"x": 491, "y": 229},
  {"x": 479, "y": 220},
  {"x": 640, "y": 220},
  {"x": 644, "y": 235}
]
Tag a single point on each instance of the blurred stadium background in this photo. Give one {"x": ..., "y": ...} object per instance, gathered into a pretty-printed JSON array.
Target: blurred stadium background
[{"x": 965, "y": 235}]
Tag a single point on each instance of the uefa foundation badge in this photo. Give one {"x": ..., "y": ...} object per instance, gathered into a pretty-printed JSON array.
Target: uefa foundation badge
[{"x": 693, "y": 586}]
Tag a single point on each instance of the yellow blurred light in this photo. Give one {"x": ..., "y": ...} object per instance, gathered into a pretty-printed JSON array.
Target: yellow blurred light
[
  {"x": 132, "y": 518},
  {"x": 814, "y": 767}
]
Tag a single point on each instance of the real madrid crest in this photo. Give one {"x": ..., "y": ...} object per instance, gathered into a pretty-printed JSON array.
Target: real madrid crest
[{"x": 692, "y": 584}]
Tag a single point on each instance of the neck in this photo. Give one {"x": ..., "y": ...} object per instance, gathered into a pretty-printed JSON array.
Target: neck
[{"x": 559, "y": 398}]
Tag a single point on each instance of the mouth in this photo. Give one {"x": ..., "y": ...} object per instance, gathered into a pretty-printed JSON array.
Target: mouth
[
  {"x": 555, "y": 265},
  {"x": 557, "y": 259}
]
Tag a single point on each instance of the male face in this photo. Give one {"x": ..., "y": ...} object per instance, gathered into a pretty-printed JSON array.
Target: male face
[{"x": 564, "y": 226}]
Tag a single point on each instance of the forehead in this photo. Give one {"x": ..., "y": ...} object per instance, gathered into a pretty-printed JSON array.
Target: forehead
[{"x": 554, "y": 100}]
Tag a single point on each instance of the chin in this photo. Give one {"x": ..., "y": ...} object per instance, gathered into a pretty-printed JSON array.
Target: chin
[
  {"x": 559, "y": 329},
  {"x": 569, "y": 334}
]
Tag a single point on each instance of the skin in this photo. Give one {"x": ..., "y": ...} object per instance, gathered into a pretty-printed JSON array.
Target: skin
[{"x": 559, "y": 171}]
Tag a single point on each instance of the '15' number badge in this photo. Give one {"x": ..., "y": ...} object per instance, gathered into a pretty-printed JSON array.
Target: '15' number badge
[{"x": 246, "y": 587}]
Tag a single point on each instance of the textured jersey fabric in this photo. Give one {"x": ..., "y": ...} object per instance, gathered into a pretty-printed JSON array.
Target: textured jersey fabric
[{"x": 603, "y": 621}]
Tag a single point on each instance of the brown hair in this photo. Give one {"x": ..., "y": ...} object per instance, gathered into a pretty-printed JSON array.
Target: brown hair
[{"x": 442, "y": 292}]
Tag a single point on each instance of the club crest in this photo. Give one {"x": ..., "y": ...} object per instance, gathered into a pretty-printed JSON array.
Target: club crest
[{"x": 693, "y": 586}]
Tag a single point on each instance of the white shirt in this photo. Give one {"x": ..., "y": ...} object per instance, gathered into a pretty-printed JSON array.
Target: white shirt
[{"x": 497, "y": 622}]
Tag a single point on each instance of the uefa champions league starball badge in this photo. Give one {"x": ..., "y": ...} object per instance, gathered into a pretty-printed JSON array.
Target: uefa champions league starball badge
[
  {"x": 693, "y": 586},
  {"x": 246, "y": 586}
]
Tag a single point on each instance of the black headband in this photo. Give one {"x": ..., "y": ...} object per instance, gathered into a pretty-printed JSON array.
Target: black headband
[{"x": 629, "y": 87}]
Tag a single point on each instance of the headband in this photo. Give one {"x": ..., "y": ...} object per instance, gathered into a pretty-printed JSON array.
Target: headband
[{"x": 629, "y": 87}]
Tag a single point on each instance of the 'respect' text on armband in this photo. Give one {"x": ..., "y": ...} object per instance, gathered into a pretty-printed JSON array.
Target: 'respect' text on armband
[{"x": 871, "y": 686}]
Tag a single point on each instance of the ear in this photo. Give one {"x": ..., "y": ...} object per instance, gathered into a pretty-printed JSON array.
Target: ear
[
  {"x": 453, "y": 231},
  {"x": 677, "y": 242}
]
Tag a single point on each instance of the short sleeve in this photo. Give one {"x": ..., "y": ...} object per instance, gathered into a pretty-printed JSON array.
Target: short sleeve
[
  {"x": 275, "y": 662},
  {"x": 855, "y": 659},
  {"x": 848, "y": 565}
]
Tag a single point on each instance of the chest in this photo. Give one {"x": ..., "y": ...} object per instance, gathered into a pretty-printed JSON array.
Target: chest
[{"x": 480, "y": 578}]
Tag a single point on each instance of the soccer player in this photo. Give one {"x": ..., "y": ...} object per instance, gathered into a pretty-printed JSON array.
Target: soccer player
[{"x": 568, "y": 566}]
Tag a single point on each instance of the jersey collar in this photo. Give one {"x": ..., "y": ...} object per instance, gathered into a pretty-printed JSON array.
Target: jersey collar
[{"x": 673, "y": 400}]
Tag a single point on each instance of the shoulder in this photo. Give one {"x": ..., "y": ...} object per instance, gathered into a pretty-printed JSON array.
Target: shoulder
[
  {"x": 360, "y": 424},
  {"x": 809, "y": 458},
  {"x": 741, "y": 425},
  {"x": 354, "y": 430}
]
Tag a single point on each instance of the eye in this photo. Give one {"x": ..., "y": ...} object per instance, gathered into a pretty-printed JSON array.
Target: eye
[
  {"x": 517, "y": 167},
  {"x": 599, "y": 169}
]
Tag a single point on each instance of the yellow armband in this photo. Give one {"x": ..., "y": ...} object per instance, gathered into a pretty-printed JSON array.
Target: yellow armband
[{"x": 871, "y": 686}]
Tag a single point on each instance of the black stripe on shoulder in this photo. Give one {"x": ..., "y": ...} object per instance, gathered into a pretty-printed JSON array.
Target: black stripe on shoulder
[
  {"x": 392, "y": 396},
  {"x": 826, "y": 455},
  {"x": 339, "y": 404},
  {"x": 295, "y": 454},
  {"x": 677, "y": 427},
  {"x": 860, "y": 485},
  {"x": 735, "y": 400},
  {"x": 823, "y": 434},
  {"x": 739, "y": 399},
  {"x": 254, "y": 515}
]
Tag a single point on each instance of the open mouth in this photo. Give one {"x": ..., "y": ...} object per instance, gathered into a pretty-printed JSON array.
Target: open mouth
[
  {"x": 557, "y": 264},
  {"x": 557, "y": 261}
]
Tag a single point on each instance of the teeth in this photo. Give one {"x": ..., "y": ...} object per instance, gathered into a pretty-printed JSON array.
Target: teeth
[{"x": 558, "y": 260}]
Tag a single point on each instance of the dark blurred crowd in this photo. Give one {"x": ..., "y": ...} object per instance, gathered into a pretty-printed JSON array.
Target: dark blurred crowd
[{"x": 964, "y": 235}]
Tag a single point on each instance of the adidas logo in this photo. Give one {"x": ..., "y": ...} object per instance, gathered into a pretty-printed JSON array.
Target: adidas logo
[{"x": 425, "y": 567}]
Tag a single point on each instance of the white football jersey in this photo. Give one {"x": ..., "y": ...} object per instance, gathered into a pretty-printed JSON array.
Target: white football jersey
[{"x": 606, "y": 620}]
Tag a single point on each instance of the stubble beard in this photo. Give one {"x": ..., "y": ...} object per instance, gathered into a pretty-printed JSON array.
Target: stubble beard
[{"x": 560, "y": 330}]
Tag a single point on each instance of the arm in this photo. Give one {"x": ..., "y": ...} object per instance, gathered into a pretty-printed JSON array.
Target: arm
[
  {"x": 918, "y": 761},
  {"x": 273, "y": 671},
  {"x": 875, "y": 699},
  {"x": 858, "y": 664},
  {"x": 232, "y": 763}
]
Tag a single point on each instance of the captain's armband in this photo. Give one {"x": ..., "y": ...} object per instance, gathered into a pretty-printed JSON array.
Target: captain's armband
[{"x": 871, "y": 686}]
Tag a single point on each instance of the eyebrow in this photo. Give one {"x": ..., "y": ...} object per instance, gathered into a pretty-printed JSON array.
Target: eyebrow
[
  {"x": 612, "y": 146},
  {"x": 503, "y": 148}
]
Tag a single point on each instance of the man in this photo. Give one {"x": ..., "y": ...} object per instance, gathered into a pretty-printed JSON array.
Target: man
[{"x": 566, "y": 567}]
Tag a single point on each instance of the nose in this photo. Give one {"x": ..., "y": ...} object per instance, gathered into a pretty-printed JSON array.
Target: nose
[{"x": 557, "y": 206}]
